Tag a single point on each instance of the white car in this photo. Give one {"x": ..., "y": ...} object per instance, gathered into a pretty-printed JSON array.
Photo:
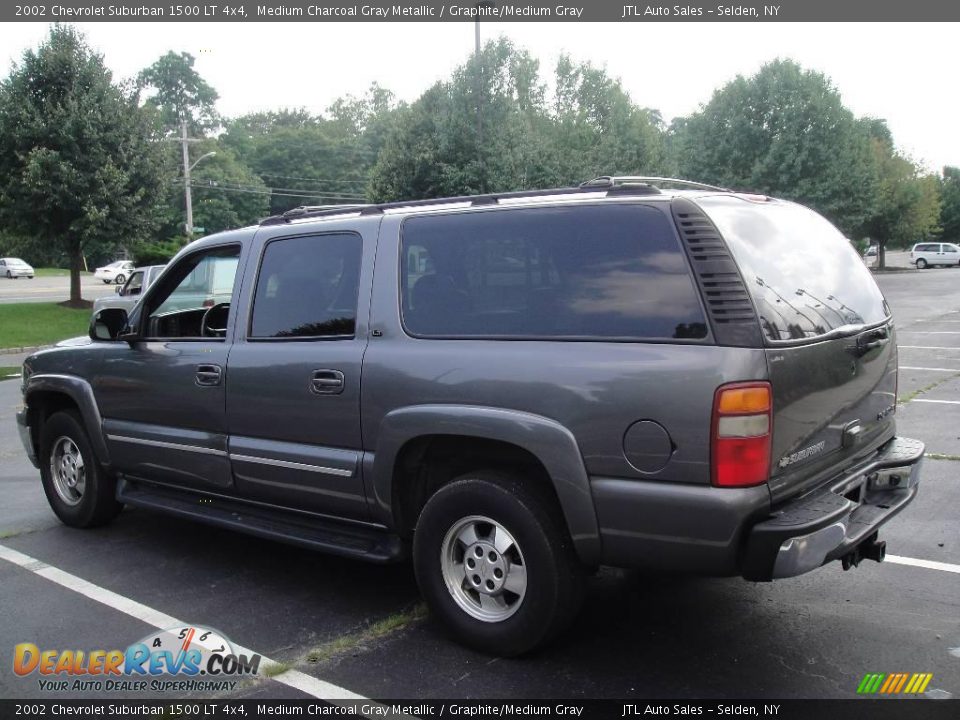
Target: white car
[
  {"x": 931, "y": 254},
  {"x": 14, "y": 268},
  {"x": 116, "y": 272}
]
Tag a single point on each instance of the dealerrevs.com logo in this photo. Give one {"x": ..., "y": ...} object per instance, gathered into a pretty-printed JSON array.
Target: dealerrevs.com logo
[{"x": 181, "y": 659}]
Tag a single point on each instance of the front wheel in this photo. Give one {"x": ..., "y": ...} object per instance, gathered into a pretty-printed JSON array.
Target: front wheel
[
  {"x": 77, "y": 488},
  {"x": 495, "y": 563},
  {"x": 921, "y": 264},
  {"x": 9, "y": 275},
  {"x": 120, "y": 279}
]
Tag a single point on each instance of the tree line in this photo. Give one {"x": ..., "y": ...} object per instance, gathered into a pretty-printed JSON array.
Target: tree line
[{"x": 89, "y": 165}]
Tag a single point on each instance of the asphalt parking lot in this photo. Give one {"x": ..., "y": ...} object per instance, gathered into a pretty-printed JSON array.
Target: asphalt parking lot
[
  {"x": 345, "y": 627},
  {"x": 51, "y": 289}
]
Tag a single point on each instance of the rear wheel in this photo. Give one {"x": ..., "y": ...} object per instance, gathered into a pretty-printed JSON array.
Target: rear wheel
[
  {"x": 921, "y": 264},
  {"x": 495, "y": 563},
  {"x": 77, "y": 488}
]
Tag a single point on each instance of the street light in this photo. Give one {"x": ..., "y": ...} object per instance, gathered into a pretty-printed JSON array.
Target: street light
[{"x": 187, "y": 167}]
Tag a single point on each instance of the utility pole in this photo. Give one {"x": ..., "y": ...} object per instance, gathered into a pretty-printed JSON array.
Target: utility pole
[{"x": 184, "y": 142}]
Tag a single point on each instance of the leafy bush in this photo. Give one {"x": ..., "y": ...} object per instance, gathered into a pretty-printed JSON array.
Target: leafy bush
[{"x": 157, "y": 253}]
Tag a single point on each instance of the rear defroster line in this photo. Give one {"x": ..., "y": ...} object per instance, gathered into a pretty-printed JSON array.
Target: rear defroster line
[{"x": 292, "y": 678}]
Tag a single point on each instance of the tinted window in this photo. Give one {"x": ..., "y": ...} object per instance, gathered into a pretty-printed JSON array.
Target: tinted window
[
  {"x": 928, "y": 248},
  {"x": 950, "y": 248},
  {"x": 805, "y": 277},
  {"x": 308, "y": 287},
  {"x": 611, "y": 271}
]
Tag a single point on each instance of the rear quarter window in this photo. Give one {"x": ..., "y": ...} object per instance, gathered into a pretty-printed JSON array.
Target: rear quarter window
[
  {"x": 805, "y": 277},
  {"x": 612, "y": 271}
]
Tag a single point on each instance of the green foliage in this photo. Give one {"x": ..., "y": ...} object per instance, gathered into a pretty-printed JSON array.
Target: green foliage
[
  {"x": 78, "y": 170},
  {"x": 907, "y": 203},
  {"x": 529, "y": 139},
  {"x": 311, "y": 160},
  {"x": 950, "y": 208},
  {"x": 783, "y": 132},
  {"x": 179, "y": 93},
  {"x": 157, "y": 253}
]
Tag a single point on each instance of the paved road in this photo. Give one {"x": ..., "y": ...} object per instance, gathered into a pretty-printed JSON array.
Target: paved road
[
  {"x": 50, "y": 289},
  {"x": 639, "y": 636}
]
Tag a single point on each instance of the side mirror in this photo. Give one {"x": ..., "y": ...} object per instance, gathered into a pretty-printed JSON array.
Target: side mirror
[
  {"x": 108, "y": 324},
  {"x": 119, "y": 290}
]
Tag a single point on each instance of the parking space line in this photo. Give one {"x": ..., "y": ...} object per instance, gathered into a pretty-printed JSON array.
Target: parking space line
[
  {"x": 927, "y": 564},
  {"x": 291, "y": 678},
  {"x": 937, "y": 402},
  {"x": 925, "y": 347},
  {"x": 911, "y": 367}
]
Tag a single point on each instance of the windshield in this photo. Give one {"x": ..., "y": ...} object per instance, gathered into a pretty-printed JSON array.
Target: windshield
[{"x": 805, "y": 277}]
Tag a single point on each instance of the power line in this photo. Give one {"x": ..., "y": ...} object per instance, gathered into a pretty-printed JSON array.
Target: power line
[
  {"x": 277, "y": 193},
  {"x": 306, "y": 179}
]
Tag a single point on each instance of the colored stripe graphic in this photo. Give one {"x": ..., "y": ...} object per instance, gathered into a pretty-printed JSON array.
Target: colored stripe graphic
[{"x": 894, "y": 683}]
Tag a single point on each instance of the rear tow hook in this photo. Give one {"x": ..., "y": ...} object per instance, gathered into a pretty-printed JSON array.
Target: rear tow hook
[{"x": 869, "y": 549}]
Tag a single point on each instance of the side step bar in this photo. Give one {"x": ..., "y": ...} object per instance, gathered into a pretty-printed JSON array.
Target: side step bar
[{"x": 313, "y": 533}]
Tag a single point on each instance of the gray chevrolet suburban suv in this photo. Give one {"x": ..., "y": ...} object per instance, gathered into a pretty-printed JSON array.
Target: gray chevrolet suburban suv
[{"x": 512, "y": 389}]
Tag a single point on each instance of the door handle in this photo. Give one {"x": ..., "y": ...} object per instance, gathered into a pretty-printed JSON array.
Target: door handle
[
  {"x": 326, "y": 382},
  {"x": 209, "y": 375}
]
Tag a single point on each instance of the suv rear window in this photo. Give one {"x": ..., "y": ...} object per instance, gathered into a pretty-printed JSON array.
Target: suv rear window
[
  {"x": 805, "y": 277},
  {"x": 610, "y": 272}
]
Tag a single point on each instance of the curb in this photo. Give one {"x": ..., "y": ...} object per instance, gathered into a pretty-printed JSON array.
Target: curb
[{"x": 20, "y": 350}]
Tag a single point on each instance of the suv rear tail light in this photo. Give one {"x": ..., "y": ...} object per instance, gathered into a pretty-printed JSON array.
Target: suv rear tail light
[{"x": 741, "y": 428}]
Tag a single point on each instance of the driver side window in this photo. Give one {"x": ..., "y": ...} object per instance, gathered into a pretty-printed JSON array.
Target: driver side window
[{"x": 194, "y": 301}]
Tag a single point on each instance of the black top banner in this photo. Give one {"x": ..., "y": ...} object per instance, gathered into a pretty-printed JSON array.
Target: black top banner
[{"x": 484, "y": 10}]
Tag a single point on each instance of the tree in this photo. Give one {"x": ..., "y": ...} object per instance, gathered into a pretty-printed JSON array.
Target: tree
[
  {"x": 527, "y": 138},
  {"x": 783, "y": 132},
  {"x": 950, "y": 204},
  {"x": 180, "y": 94},
  {"x": 908, "y": 202},
  {"x": 78, "y": 168}
]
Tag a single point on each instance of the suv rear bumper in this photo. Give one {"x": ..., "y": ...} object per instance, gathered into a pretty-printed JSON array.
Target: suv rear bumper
[{"x": 832, "y": 522}]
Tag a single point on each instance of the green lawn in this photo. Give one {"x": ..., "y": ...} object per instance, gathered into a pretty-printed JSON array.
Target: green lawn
[
  {"x": 28, "y": 324},
  {"x": 53, "y": 272},
  {"x": 9, "y": 372}
]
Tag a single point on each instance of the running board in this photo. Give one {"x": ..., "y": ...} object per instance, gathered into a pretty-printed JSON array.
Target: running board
[{"x": 354, "y": 541}]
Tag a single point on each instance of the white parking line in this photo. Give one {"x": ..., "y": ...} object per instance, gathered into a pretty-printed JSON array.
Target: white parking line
[
  {"x": 925, "y": 347},
  {"x": 938, "y": 402},
  {"x": 929, "y": 332},
  {"x": 928, "y": 564},
  {"x": 911, "y": 367},
  {"x": 292, "y": 678}
]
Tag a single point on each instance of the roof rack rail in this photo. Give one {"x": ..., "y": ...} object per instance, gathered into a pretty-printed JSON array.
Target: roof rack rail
[
  {"x": 615, "y": 185},
  {"x": 376, "y": 209},
  {"x": 609, "y": 181}
]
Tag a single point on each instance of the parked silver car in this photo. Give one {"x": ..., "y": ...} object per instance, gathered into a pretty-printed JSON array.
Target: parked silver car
[{"x": 129, "y": 293}]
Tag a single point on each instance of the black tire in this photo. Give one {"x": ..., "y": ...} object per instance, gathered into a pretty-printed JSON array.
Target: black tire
[
  {"x": 554, "y": 575},
  {"x": 9, "y": 275},
  {"x": 120, "y": 279},
  {"x": 97, "y": 504},
  {"x": 921, "y": 263},
  {"x": 106, "y": 282}
]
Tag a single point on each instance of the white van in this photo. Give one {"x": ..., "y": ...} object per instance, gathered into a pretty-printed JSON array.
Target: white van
[{"x": 931, "y": 254}]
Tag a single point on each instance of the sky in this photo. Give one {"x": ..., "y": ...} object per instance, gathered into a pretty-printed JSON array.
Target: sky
[{"x": 902, "y": 72}]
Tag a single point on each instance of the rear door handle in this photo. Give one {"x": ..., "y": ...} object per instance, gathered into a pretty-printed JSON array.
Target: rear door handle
[
  {"x": 209, "y": 375},
  {"x": 326, "y": 382}
]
